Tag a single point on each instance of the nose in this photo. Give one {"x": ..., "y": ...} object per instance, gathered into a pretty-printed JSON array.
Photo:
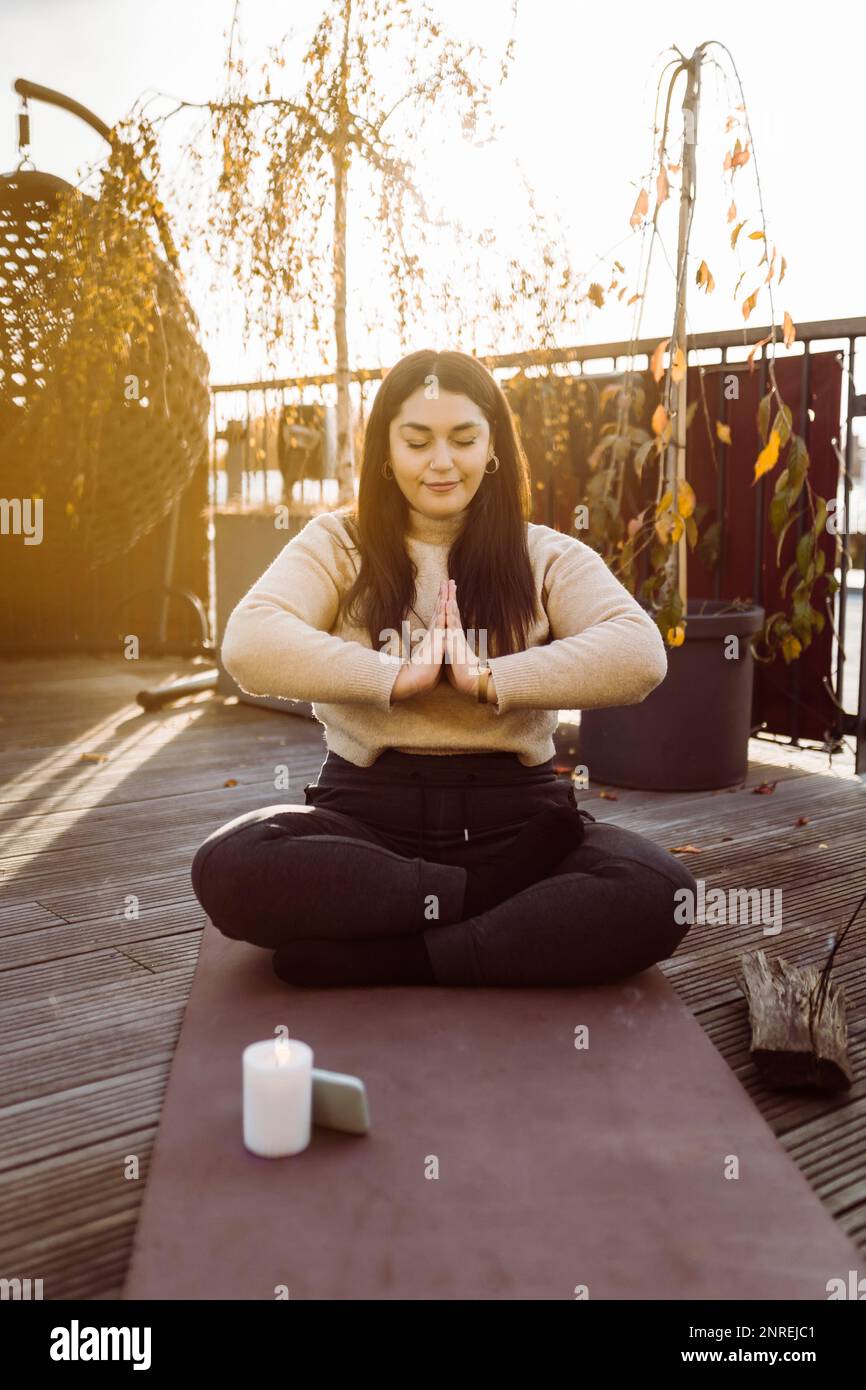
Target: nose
[{"x": 441, "y": 461}]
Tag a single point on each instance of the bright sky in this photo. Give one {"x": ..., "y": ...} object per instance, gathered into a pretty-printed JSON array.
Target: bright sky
[{"x": 576, "y": 117}]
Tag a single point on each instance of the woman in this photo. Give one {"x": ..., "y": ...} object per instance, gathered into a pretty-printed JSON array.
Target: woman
[{"x": 438, "y": 634}]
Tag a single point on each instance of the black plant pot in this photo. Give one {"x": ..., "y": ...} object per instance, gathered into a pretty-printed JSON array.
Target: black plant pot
[{"x": 692, "y": 732}]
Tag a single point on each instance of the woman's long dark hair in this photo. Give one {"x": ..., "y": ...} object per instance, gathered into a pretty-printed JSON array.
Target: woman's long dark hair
[{"x": 489, "y": 558}]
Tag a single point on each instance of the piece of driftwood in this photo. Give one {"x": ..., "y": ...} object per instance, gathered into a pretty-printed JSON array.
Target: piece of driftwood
[{"x": 788, "y": 1047}]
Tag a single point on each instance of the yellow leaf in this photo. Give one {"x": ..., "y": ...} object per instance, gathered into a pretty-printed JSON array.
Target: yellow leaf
[
  {"x": 656, "y": 365},
  {"x": 676, "y": 636},
  {"x": 723, "y": 432},
  {"x": 641, "y": 209},
  {"x": 749, "y": 304},
  {"x": 756, "y": 236},
  {"x": 678, "y": 365},
  {"x": 665, "y": 502},
  {"x": 751, "y": 357},
  {"x": 769, "y": 455},
  {"x": 704, "y": 278},
  {"x": 783, "y": 269},
  {"x": 686, "y": 500},
  {"x": 788, "y": 329},
  {"x": 791, "y": 647},
  {"x": 735, "y": 233},
  {"x": 677, "y": 528},
  {"x": 660, "y": 421}
]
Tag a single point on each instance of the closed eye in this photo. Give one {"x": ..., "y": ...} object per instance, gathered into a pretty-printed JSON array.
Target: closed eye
[{"x": 461, "y": 444}]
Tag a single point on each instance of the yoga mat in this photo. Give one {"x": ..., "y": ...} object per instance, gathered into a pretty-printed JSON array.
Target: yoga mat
[{"x": 558, "y": 1167}]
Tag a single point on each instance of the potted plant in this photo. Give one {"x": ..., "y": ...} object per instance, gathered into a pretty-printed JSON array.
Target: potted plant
[{"x": 692, "y": 732}]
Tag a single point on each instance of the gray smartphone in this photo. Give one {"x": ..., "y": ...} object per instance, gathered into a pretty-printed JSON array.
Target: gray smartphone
[{"x": 340, "y": 1102}]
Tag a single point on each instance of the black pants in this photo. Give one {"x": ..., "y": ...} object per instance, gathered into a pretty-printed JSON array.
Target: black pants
[{"x": 383, "y": 850}]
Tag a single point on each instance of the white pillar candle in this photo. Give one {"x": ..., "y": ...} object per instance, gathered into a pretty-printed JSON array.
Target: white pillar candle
[{"x": 278, "y": 1096}]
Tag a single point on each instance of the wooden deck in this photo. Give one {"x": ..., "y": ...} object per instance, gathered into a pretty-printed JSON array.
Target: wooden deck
[{"x": 102, "y": 804}]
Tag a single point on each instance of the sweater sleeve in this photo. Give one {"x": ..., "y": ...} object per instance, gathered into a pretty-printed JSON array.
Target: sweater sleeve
[
  {"x": 604, "y": 648},
  {"x": 277, "y": 640}
]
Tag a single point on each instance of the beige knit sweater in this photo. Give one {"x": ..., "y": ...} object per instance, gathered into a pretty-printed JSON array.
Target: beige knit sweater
[{"x": 595, "y": 646}]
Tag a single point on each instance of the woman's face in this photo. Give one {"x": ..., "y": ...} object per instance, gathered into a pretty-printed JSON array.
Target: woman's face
[{"x": 441, "y": 441}]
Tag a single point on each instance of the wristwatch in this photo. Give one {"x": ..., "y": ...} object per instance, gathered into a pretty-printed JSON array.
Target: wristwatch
[{"x": 484, "y": 674}]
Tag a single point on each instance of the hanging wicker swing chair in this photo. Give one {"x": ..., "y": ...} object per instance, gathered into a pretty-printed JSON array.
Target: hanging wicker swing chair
[{"x": 140, "y": 454}]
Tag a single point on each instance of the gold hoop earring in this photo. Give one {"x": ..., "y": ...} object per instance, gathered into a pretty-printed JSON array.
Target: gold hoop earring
[
  {"x": 492, "y": 459},
  {"x": 387, "y": 474}
]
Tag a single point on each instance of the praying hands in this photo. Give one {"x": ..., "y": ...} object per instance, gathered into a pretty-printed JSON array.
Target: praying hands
[{"x": 445, "y": 640}]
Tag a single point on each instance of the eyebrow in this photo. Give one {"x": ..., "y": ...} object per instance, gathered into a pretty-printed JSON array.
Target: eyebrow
[{"x": 469, "y": 425}]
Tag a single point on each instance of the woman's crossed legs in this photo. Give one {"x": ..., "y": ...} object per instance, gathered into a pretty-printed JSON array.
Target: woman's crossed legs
[{"x": 285, "y": 877}]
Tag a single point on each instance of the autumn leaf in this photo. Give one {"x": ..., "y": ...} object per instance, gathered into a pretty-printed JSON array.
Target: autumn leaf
[
  {"x": 735, "y": 233},
  {"x": 232, "y": 782},
  {"x": 788, "y": 329},
  {"x": 762, "y": 342},
  {"x": 723, "y": 432},
  {"x": 94, "y": 758},
  {"x": 756, "y": 236},
  {"x": 633, "y": 300},
  {"x": 684, "y": 849},
  {"x": 791, "y": 647},
  {"x": 764, "y": 788},
  {"x": 802, "y": 820},
  {"x": 669, "y": 525},
  {"x": 732, "y": 212},
  {"x": 704, "y": 279},
  {"x": 609, "y": 796},
  {"x": 641, "y": 209},
  {"x": 676, "y": 636},
  {"x": 656, "y": 364},
  {"x": 662, "y": 187},
  {"x": 749, "y": 304},
  {"x": 660, "y": 423},
  {"x": 769, "y": 456},
  {"x": 595, "y": 294},
  {"x": 783, "y": 269},
  {"x": 678, "y": 365},
  {"x": 686, "y": 500}
]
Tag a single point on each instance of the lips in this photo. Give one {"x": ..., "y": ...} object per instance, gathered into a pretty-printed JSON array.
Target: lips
[{"x": 441, "y": 487}]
